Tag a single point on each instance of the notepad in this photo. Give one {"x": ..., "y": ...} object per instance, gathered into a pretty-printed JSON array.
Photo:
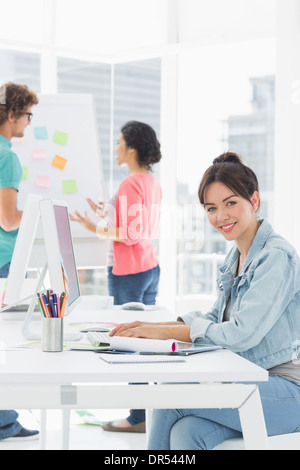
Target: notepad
[{"x": 136, "y": 359}]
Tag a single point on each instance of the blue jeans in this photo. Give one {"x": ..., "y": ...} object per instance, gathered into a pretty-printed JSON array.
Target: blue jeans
[
  {"x": 9, "y": 425},
  {"x": 140, "y": 287},
  {"x": 204, "y": 429}
]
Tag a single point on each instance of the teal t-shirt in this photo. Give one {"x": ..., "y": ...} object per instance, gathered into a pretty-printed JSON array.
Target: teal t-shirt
[{"x": 10, "y": 177}]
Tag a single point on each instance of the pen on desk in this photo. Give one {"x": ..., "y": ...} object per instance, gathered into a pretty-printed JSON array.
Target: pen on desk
[
  {"x": 40, "y": 297},
  {"x": 40, "y": 307},
  {"x": 55, "y": 305},
  {"x": 58, "y": 306},
  {"x": 47, "y": 306},
  {"x": 148, "y": 353},
  {"x": 63, "y": 304},
  {"x": 40, "y": 304},
  {"x": 51, "y": 303}
]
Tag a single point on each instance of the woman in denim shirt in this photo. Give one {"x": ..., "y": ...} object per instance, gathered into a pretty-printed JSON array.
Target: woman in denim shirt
[{"x": 256, "y": 314}]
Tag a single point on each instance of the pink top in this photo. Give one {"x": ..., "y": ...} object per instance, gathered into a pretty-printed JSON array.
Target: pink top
[{"x": 137, "y": 217}]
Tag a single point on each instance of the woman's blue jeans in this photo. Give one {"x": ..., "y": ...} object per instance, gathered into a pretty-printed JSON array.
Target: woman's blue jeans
[
  {"x": 9, "y": 425},
  {"x": 204, "y": 429},
  {"x": 140, "y": 287}
]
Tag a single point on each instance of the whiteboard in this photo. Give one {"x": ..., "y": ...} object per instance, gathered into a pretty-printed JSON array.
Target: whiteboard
[{"x": 60, "y": 155}]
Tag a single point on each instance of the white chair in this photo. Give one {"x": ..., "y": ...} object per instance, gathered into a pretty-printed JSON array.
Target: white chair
[{"x": 282, "y": 442}]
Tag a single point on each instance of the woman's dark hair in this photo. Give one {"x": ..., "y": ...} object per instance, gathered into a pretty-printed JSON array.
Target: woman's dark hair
[
  {"x": 142, "y": 138},
  {"x": 229, "y": 169}
]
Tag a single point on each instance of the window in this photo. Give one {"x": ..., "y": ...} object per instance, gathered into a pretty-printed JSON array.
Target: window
[
  {"x": 226, "y": 102},
  {"x": 122, "y": 92},
  {"x": 21, "y": 67}
]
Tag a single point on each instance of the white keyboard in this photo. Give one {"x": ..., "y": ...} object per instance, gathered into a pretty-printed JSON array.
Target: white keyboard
[{"x": 98, "y": 339}]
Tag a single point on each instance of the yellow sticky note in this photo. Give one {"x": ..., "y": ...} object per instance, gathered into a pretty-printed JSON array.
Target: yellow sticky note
[
  {"x": 60, "y": 138},
  {"x": 70, "y": 186},
  {"x": 59, "y": 162}
]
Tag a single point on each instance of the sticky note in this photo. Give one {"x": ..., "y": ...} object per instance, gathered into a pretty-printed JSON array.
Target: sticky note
[
  {"x": 42, "y": 181},
  {"x": 40, "y": 133},
  {"x": 24, "y": 173},
  {"x": 59, "y": 162},
  {"x": 39, "y": 154},
  {"x": 70, "y": 186},
  {"x": 60, "y": 138}
]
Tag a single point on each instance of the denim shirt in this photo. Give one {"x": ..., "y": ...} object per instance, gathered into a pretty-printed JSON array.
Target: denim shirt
[{"x": 264, "y": 325}]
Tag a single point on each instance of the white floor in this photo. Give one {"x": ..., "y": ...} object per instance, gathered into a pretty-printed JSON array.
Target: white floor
[{"x": 82, "y": 436}]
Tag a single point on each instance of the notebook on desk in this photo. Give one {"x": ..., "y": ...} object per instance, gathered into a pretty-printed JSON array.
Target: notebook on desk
[{"x": 138, "y": 359}]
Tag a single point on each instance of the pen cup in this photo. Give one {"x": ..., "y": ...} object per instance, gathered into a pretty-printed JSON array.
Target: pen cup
[{"x": 52, "y": 335}]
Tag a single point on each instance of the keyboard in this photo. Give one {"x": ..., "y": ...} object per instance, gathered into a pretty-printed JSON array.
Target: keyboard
[{"x": 98, "y": 339}]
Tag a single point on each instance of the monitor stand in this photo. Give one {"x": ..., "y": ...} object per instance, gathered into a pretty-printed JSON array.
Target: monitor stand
[{"x": 26, "y": 330}]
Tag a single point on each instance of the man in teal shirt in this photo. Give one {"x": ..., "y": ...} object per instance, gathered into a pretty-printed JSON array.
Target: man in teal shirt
[
  {"x": 10, "y": 177},
  {"x": 16, "y": 102}
]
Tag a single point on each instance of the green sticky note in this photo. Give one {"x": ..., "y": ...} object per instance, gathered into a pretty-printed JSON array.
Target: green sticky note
[
  {"x": 24, "y": 173},
  {"x": 70, "y": 186},
  {"x": 60, "y": 138}
]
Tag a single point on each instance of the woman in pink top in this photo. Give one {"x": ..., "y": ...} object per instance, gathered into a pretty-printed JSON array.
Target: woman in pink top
[
  {"x": 134, "y": 275},
  {"x": 135, "y": 272}
]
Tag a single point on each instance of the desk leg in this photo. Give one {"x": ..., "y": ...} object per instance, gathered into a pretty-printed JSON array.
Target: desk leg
[
  {"x": 148, "y": 423},
  {"x": 66, "y": 414},
  {"x": 253, "y": 423},
  {"x": 43, "y": 429}
]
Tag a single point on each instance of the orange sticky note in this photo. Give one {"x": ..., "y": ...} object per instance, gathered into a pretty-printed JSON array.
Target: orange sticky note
[{"x": 59, "y": 162}]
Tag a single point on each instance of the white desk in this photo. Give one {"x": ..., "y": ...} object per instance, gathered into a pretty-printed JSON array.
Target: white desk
[{"x": 77, "y": 380}]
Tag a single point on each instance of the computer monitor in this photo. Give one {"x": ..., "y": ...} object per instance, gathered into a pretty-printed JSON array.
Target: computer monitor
[
  {"x": 61, "y": 265},
  {"x": 59, "y": 250},
  {"x": 14, "y": 292}
]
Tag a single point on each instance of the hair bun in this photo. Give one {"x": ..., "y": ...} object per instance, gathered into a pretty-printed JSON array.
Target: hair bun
[{"x": 228, "y": 157}]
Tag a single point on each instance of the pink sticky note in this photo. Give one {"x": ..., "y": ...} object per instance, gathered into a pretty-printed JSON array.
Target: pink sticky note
[
  {"x": 39, "y": 154},
  {"x": 42, "y": 181}
]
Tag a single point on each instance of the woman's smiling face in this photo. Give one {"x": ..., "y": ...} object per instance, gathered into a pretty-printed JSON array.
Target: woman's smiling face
[{"x": 230, "y": 214}]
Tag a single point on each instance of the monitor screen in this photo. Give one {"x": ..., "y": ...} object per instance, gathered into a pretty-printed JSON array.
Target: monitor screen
[{"x": 67, "y": 252}]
